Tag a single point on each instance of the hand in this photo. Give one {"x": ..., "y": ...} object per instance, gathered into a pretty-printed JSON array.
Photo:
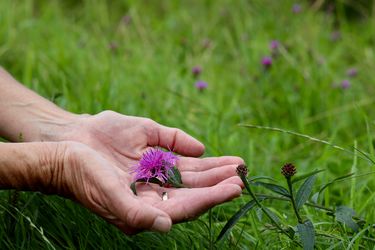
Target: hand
[
  {"x": 85, "y": 176},
  {"x": 121, "y": 140}
]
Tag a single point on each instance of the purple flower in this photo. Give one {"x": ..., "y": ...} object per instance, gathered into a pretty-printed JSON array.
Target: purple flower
[
  {"x": 352, "y": 72},
  {"x": 196, "y": 71},
  {"x": 201, "y": 85},
  {"x": 113, "y": 46},
  {"x": 127, "y": 19},
  {"x": 296, "y": 8},
  {"x": 206, "y": 43},
  {"x": 155, "y": 163},
  {"x": 274, "y": 45},
  {"x": 335, "y": 36},
  {"x": 288, "y": 170},
  {"x": 345, "y": 84},
  {"x": 267, "y": 61}
]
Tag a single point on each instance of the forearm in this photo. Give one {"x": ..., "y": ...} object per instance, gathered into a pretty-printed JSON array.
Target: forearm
[
  {"x": 24, "y": 112},
  {"x": 29, "y": 166}
]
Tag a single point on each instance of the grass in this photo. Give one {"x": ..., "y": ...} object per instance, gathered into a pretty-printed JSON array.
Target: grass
[{"x": 85, "y": 57}]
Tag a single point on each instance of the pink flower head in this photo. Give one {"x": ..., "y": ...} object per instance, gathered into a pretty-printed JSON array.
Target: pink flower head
[
  {"x": 155, "y": 163},
  {"x": 196, "y": 71},
  {"x": 201, "y": 85},
  {"x": 267, "y": 61},
  {"x": 345, "y": 84},
  {"x": 352, "y": 72},
  {"x": 274, "y": 45},
  {"x": 335, "y": 36},
  {"x": 297, "y": 8}
]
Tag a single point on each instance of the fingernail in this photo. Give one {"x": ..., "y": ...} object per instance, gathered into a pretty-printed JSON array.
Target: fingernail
[{"x": 162, "y": 224}]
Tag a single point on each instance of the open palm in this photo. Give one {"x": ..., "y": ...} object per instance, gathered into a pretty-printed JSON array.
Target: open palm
[{"x": 122, "y": 140}]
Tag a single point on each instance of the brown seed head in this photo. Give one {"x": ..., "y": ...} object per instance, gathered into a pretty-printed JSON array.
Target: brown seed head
[
  {"x": 288, "y": 170},
  {"x": 242, "y": 170}
]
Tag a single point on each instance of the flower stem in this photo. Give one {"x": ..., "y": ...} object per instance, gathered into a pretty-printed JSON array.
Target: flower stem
[
  {"x": 264, "y": 210},
  {"x": 290, "y": 186}
]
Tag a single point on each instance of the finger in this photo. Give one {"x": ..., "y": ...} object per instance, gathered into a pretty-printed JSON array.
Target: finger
[
  {"x": 184, "y": 204},
  {"x": 209, "y": 177},
  {"x": 176, "y": 140},
  {"x": 196, "y": 164},
  {"x": 136, "y": 214},
  {"x": 233, "y": 180}
]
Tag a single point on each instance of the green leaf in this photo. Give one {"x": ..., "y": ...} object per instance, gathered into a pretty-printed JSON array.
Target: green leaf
[
  {"x": 233, "y": 220},
  {"x": 274, "y": 188},
  {"x": 304, "y": 176},
  {"x": 304, "y": 191},
  {"x": 260, "y": 177},
  {"x": 132, "y": 187},
  {"x": 345, "y": 215},
  {"x": 259, "y": 213},
  {"x": 307, "y": 234},
  {"x": 334, "y": 180},
  {"x": 151, "y": 180},
  {"x": 174, "y": 177},
  {"x": 272, "y": 215},
  {"x": 316, "y": 195}
]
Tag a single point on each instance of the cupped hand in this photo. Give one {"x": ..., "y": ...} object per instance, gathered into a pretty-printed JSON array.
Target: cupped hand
[
  {"x": 88, "y": 178},
  {"x": 121, "y": 140}
]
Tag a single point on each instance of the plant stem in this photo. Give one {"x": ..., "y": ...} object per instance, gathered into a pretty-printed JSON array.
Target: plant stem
[
  {"x": 290, "y": 186},
  {"x": 330, "y": 210},
  {"x": 247, "y": 186}
]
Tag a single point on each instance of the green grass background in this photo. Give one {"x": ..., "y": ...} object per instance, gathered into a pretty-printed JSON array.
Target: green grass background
[{"x": 86, "y": 57}]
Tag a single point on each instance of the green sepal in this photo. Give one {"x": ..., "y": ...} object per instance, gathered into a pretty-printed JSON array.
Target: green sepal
[{"x": 174, "y": 178}]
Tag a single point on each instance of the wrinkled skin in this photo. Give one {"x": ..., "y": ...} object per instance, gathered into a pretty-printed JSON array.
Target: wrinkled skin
[{"x": 97, "y": 173}]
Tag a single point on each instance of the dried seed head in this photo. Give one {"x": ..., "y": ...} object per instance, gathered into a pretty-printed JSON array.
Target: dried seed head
[
  {"x": 288, "y": 170},
  {"x": 242, "y": 170}
]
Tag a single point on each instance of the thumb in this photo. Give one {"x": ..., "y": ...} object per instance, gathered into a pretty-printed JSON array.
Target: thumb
[
  {"x": 136, "y": 214},
  {"x": 175, "y": 140}
]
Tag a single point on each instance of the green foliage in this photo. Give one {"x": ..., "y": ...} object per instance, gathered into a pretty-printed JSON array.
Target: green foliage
[
  {"x": 307, "y": 234},
  {"x": 135, "y": 57},
  {"x": 304, "y": 191}
]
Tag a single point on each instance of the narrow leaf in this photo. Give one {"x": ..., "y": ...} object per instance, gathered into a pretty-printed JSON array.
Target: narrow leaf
[
  {"x": 233, "y": 220},
  {"x": 151, "y": 180},
  {"x": 304, "y": 191},
  {"x": 273, "y": 215},
  {"x": 259, "y": 213},
  {"x": 336, "y": 179},
  {"x": 304, "y": 176},
  {"x": 255, "y": 178},
  {"x": 132, "y": 187},
  {"x": 307, "y": 234},
  {"x": 345, "y": 215},
  {"x": 274, "y": 188}
]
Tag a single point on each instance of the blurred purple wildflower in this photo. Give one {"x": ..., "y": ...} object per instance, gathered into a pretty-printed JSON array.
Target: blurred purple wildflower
[
  {"x": 274, "y": 45},
  {"x": 196, "y": 71},
  {"x": 297, "y": 8},
  {"x": 127, "y": 19},
  {"x": 201, "y": 85},
  {"x": 113, "y": 46},
  {"x": 335, "y": 36},
  {"x": 155, "y": 163},
  {"x": 267, "y": 61},
  {"x": 206, "y": 43},
  {"x": 345, "y": 84},
  {"x": 352, "y": 72}
]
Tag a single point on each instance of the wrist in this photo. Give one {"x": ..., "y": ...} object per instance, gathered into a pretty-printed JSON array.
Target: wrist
[
  {"x": 58, "y": 127},
  {"x": 31, "y": 166}
]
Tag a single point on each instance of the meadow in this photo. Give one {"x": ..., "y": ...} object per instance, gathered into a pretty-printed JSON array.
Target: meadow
[{"x": 299, "y": 76}]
